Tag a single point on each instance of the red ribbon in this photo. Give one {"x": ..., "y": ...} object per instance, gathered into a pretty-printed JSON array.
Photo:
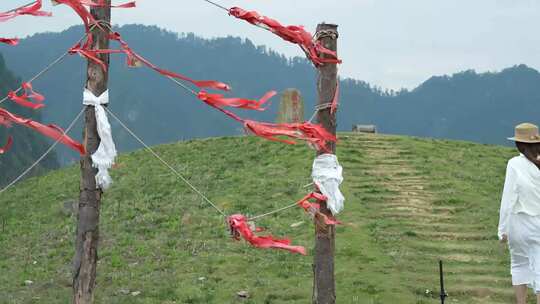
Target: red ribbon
[
  {"x": 292, "y": 33},
  {"x": 7, "y": 146},
  {"x": 51, "y": 131},
  {"x": 313, "y": 208},
  {"x": 134, "y": 59},
  {"x": 314, "y": 134},
  {"x": 218, "y": 100},
  {"x": 28, "y": 95},
  {"x": 80, "y": 10},
  {"x": 240, "y": 228},
  {"x": 10, "y": 41},
  {"x": 33, "y": 9}
]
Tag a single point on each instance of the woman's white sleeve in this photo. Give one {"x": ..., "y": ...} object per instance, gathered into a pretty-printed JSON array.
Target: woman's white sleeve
[{"x": 509, "y": 198}]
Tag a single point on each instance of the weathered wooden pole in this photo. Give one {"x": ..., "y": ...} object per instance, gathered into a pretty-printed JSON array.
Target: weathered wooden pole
[
  {"x": 324, "y": 286},
  {"x": 86, "y": 255}
]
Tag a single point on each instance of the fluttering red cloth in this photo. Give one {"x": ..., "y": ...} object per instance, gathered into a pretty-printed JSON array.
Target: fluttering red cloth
[
  {"x": 295, "y": 34},
  {"x": 80, "y": 10},
  {"x": 240, "y": 228},
  {"x": 29, "y": 97},
  {"x": 51, "y": 131},
  {"x": 313, "y": 208},
  {"x": 7, "y": 146},
  {"x": 9, "y": 41},
  {"x": 134, "y": 59},
  {"x": 33, "y": 9},
  {"x": 315, "y": 134},
  {"x": 218, "y": 100}
]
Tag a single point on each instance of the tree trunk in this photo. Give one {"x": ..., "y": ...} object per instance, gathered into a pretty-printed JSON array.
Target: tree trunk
[
  {"x": 324, "y": 286},
  {"x": 86, "y": 252}
]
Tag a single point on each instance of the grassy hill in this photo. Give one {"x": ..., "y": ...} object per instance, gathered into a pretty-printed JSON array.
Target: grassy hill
[{"x": 409, "y": 202}]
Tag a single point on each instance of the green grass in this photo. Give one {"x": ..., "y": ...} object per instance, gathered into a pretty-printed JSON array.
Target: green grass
[{"x": 409, "y": 202}]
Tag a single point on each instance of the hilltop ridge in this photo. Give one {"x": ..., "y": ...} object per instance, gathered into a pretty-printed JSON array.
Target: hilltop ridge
[{"x": 409, "y": 203}]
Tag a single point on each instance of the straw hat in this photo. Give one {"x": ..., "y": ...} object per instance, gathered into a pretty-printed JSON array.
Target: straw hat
[{"x": 526, "y": 133}]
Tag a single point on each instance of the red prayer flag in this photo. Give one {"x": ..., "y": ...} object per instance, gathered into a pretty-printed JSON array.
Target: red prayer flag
[
  {"x": 292, "y": 33},
  {"x": 9, "y": 41},
  {"x": 33, "y": 9},
  {"x": 7, "y": 146},
  {"x": 28, "y": 95},
  {"x": 314, "y": 134},
  {"x": 134, "y": 59},
  {"x": 51, "y": 131},
  {"x": 80, "y": 10},
  {"x": 218, "y": 100},
  {"x": 240, "y": 228},
  {"x": 313, "y": 208}
]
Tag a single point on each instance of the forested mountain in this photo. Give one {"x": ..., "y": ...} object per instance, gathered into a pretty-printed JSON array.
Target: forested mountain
[
  {"x": 467, "y": 105},
  {"x": 27, "y": 145}
]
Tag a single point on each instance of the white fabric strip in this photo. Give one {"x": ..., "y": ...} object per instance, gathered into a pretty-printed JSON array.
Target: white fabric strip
[
  {"x": 103, "y": 158},
  {"x": 327, "y": 175}
]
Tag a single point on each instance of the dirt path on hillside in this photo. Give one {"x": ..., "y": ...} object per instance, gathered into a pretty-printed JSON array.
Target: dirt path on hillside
[{"x": 401, "y": 200}]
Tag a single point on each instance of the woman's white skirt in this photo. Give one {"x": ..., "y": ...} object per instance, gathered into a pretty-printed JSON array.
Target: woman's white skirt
[{"x": 524, "y": 244}]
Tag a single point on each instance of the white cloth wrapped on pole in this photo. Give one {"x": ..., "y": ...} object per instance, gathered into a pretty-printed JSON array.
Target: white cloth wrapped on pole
[
  {"x": 103, "y": 158},
  {"x": 328, "y": 175}
]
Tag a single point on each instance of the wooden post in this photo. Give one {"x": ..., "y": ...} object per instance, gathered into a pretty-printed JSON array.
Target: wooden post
[
  {"x": 85, "y": 260},
  {"x": 324, "y": 286}
]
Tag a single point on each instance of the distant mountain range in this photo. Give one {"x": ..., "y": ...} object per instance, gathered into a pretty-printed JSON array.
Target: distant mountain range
[{"x": 467, "y": 105}]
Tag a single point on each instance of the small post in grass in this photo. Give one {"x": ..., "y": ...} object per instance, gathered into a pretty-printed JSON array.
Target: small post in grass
[{"x": 444, "y": 295}]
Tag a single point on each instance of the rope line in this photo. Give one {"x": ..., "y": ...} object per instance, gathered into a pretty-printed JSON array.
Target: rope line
[
  {"x": 185, "y": 87},
  {"x": 185, "y": 180},
  {"x": 165, "y": 163},
  {"x": 323, "y": 106},
  {"x": 46, "y": 69},
  {"x": 272, "y": 212},
  {"x": 228, "y": 11},
  {"x": 44, "y": 154},
  {"x": 313, "y": 116},
  {"x": 18, "y": 8},
  {"x": 217, "y": 5}
]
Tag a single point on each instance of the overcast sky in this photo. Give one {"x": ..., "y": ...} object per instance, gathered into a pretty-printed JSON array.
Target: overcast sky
[{"x": 390, "y": 43}]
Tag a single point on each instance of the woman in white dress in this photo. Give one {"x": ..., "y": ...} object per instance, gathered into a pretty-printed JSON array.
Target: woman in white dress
[{"x": 519, "y": 222}]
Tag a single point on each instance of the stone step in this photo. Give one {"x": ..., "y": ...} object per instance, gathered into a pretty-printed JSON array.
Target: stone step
[
  {"x": 460, "y": 268},
  {"x": 445, "y": 227},
  {"x": 462, "y": 236},
  {"x": 418, "y": 216},
  {"x": 482, "y": 247},
  {"x": 439, "y": 235}
]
